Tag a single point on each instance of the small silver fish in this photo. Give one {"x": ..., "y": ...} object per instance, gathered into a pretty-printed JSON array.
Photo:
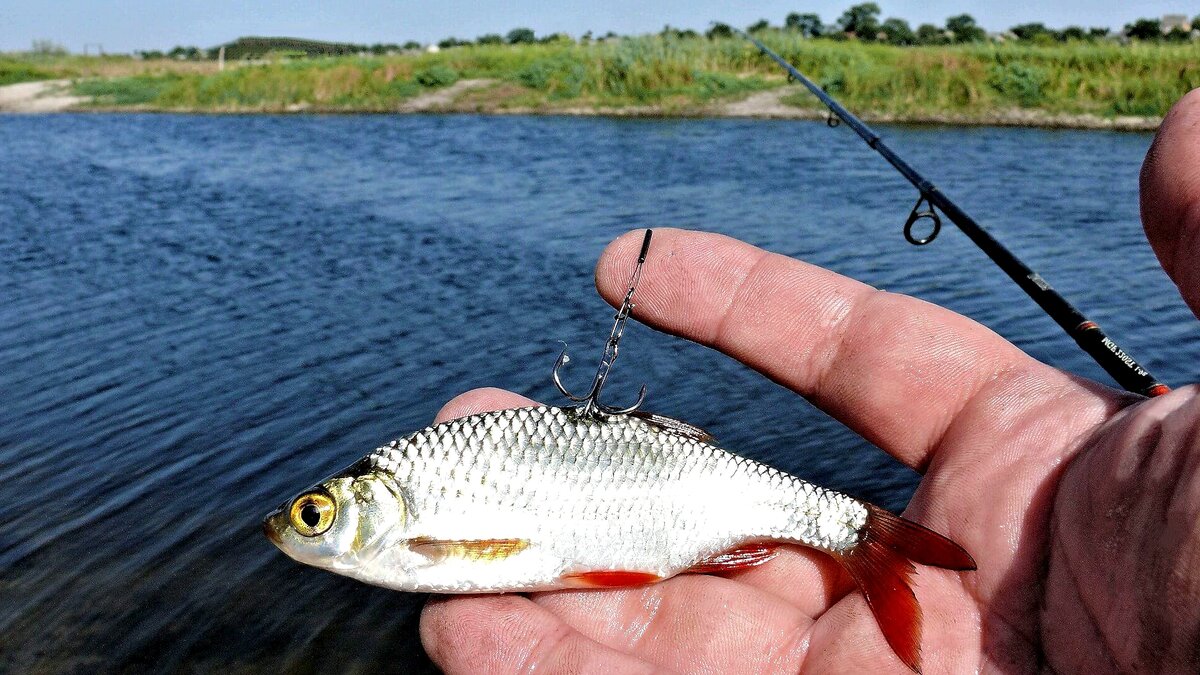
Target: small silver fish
[{"x": 544, "y": 498}]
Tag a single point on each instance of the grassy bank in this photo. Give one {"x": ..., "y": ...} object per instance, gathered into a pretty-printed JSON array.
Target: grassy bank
[{"x": 677, "y": 76}]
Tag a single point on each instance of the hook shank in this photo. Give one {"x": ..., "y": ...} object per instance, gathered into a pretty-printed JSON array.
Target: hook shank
[{"x": 591, "y": 401}]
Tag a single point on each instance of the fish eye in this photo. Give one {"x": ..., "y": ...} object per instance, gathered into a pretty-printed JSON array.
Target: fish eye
[{"x": 312, "y": 513}]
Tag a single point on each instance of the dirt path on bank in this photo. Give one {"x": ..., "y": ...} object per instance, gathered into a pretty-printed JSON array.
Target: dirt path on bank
[
  {"x": 766, "y": 104},
  {"x": 443, "y": 99},
  {"x": 38, "y": 97}
]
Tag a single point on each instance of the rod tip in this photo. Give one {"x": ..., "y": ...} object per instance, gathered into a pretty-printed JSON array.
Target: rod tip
[{"x": 645, "y": 245}]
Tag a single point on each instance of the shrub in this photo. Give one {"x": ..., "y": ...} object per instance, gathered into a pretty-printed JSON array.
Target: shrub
[
  {"x": 14, "y": 72},
  {"x": 560, "y": 75},
  {"x": 436, "y": 76},
  {"x": 1020, "y": 82}
]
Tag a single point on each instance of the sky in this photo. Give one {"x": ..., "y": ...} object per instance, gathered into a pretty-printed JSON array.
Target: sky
[{"x": 128, "y": 25}]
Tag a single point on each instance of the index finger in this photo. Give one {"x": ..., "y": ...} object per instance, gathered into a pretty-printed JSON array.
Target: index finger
[{"x": 895, "y": 369}]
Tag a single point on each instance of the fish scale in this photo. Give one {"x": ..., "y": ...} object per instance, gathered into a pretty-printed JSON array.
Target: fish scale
[{"x": 580, "y": 476}]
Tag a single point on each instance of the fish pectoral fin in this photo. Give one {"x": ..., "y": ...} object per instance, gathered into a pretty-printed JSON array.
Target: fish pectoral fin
[
  {"x": 677, "y": 426},
  {"x": 740, "y": 558},
  {"x": 467, "y": 549},
  {"x": 608, "y": 579}
]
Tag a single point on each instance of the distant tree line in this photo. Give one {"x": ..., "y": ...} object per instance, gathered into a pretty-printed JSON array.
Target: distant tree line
[
  {"x": 860, "y": 22},
  {"x": 258, "y": 47}
]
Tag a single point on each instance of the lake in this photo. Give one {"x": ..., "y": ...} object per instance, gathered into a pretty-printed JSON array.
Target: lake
[{"x": 202, "y": 315}]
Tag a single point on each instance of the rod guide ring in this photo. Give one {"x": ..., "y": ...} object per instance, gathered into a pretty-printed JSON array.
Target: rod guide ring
[{"x": 918, "y": 214}]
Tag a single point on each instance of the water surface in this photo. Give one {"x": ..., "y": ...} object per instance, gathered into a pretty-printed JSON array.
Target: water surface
[{"x": 202, "y": 315}]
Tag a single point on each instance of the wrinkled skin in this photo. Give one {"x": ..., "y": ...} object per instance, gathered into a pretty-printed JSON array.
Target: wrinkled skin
[{"x": 1080, "y": 503}]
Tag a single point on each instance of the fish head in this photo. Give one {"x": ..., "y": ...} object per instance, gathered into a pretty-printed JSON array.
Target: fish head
[{"x": 341, "y": 523}]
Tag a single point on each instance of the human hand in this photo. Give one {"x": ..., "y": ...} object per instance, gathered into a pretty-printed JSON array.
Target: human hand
[{"x": 1078, "y": 502}]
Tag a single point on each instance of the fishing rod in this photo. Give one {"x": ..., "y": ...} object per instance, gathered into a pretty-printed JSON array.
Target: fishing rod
[{"x": 1114, "y": 360}]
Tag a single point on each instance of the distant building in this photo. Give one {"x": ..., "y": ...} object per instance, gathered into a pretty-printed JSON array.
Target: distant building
[
  {"x": 433, "y": 49},
  {"x": 1171, "y": 22}
]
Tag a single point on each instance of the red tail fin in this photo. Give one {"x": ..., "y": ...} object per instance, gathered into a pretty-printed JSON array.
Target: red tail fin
[{"x": 881, "y": 565}]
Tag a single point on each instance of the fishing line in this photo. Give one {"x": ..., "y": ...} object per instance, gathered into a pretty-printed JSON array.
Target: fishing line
[{"x": 1114, "y": 360}]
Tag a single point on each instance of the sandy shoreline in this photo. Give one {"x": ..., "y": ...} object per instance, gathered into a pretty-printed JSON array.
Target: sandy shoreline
[
  {"x": 38, "y": 97},
  {"x": 461, "y": 97}
]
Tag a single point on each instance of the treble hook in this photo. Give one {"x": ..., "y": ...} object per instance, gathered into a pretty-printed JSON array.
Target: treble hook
[
  {"x": 591, "y": 402},
  {"x": 917, "y": 214}
]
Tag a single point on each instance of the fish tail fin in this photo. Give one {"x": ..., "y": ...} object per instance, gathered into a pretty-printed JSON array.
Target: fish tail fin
[{"x": 882, "y": 565}]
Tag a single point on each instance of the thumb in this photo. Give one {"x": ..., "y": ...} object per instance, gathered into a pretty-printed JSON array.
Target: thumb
[{"x": 1170, "y": 196}]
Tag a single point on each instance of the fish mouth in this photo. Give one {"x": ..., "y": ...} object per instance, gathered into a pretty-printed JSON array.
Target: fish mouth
[{"x": 269, "y": 528}]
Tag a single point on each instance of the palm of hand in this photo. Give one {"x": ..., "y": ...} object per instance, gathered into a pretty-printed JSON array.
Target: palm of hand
[{"x": 1077, "y": 502}]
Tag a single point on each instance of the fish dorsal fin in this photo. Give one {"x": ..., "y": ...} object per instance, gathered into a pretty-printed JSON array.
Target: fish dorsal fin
[{"x": 676, "y": 426}]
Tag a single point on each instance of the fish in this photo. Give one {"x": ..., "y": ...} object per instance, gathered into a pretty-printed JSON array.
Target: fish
[{"x": 542, "y": 498}]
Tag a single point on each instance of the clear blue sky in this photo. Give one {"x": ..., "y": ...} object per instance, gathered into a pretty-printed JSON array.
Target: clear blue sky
[{"x": 126, "y": 25}]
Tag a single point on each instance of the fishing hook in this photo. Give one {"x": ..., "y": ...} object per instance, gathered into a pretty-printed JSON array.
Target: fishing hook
[
  {"x": 832, "y": 121},
  {"x": 918, "y": 214},
  {"x": 591, "y": 402}
]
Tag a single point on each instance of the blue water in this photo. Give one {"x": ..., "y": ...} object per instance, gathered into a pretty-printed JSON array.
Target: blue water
[{"x": 202, "y": 315}]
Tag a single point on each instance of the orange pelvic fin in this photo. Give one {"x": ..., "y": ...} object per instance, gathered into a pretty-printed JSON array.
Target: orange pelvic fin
[
  {"x": 882, "y": 564},
  {"x": 609, "y": 579},
  {"x": 742, "y": 557},
  {"x": 470, "y": 549}
]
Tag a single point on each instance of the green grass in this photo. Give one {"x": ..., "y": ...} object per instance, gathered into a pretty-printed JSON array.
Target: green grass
[
  {"x": 13, "y": 71},
  {"x": 680, "y": 74},
  {"x": 126, "y": 91},
  {"x": 1101, "y": 79}
]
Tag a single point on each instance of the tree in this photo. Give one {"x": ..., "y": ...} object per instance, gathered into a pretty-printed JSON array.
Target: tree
[
  {"x": 181, "y": 53},
  {"x": 1072, "y": 33},
  {"x": 862, "y": 20},
  {"x": 1178, "y": 34},
  {"x": 719, "y": 30},
  {"x": 1099, "y": 33},
  {"x": 964, "y": 29},
  {"x": 898, "y": 32},
  {"x": 758, "y": 26},
  {"x": 1144, "y": 29},
  {"x": 412, "y": 45},
  {"x": 670, "y": 31},
  {"x": 929, "y": 34},
  {"x": 489, "y": 39},
  {"x": 807, "y": 25},
  {"x": 519, "y": 36},
  {"x": 1029, "y": 31}
]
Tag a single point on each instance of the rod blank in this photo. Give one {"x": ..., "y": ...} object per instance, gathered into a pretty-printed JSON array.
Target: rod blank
[{"x": 1114, "y": 360}]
